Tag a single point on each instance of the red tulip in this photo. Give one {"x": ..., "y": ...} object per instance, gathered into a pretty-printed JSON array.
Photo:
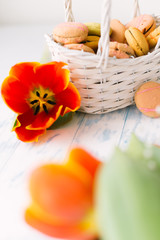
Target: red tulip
[{"x": 39, "y": 94}]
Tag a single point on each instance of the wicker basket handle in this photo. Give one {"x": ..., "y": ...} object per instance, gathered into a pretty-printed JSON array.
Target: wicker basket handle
[
  {"x": 103, "y": 46},
  {"x": 68, "y": 11},
  {"x": 136, "y": 9},
  {"x": 69, "y": 14}
]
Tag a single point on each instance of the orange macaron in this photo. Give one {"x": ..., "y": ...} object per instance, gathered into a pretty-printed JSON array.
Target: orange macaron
[
  {"x": 118, "y": 31},
  {"x": 147, "y": 99},
  {"x": 153, "y": 37}
]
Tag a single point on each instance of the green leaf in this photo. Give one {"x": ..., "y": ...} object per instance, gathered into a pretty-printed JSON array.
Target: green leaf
[
  {"x": 128, "y": 194},
  {"x": 135, "y": 147},
  {"x": 61, "y": 121},
  {"x": 144, "y": 152},
  {"x": 15, "y": 123}
]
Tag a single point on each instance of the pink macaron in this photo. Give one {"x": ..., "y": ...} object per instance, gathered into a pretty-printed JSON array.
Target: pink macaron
[
  {"x": 70, "y": 32},
  {"x": 145, "y": 23},
  {"x": 147, "y": 99}
]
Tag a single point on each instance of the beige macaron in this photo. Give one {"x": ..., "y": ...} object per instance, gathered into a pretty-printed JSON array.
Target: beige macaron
[
  {"x": 70, "y": 32},
  {"x": 137, "y": 41},
  {"x": 147, "y": 99},
  {"x": 79, "y": 46},
  {"x": 118, "y": 31},
  {"x": 153, "y": 37},
  {"x": 120, "y": 50}
]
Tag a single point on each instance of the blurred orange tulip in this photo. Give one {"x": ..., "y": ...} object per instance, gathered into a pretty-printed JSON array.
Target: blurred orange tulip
[{"x": 62, "y": 198}]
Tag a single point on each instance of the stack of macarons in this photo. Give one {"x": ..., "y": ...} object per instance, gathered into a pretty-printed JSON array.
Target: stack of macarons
[
  {"x": 140, "y": 34},
  {"x": 138, "y": 29},
  {"x": 78, "y": 36},
  {"x": 134, "y": 39},
  {"x": 75, "y": 35}
]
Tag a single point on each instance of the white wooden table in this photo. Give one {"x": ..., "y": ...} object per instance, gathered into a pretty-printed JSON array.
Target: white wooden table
[{"x": 98, "y": 134}]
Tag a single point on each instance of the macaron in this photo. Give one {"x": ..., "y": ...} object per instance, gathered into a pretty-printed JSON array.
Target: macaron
[
  {"x": 120, "y": 50},
  {"x": 94, "y": 28},
  {"x": 118, "y": 31},
  {"x": 92, "y": 38},
  {"x": 147, "y": 99},
  {"x": 92, "y": 42},
  {"x": 79, "y": 46},
  {"x": 70, "y": 32},
  {"x": 137, "y": 41},
  {"x": 145, "y": 23},
  {"x": 153, "y": 37}
]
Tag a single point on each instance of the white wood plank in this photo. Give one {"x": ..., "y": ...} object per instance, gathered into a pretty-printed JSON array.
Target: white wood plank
[
  {"x": 52, "y": 147},
  {"x": 146, "y": 128},
  {"x": 100, "y": 133}
]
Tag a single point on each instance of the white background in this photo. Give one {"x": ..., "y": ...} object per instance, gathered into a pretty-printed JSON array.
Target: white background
[{"x": 52, "y": 11}]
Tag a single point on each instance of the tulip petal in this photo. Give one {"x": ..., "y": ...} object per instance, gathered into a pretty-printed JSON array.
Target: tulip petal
[
  {"x": 57, "y": 76},
  {"x": 60, "y": 192},
  {"x": 26, "y": 118},
  {"x": 69, "y": 98},
  {"x": 43, "y": 120},
  {"x": 84, "y": 159},
  {"x": 25, "y": 72},
  {"x": 15, "y": 94},
  {"x": 28, "y": 135},
  {"x": 67, "y": 231},
  {"x": 24, "y": 134}
]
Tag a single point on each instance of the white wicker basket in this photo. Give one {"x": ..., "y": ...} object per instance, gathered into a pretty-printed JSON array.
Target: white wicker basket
[{"x": 106, "y": 84}]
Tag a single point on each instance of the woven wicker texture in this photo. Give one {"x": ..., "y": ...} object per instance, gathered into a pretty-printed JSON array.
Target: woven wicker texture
[{"x": 106, "y": 84}]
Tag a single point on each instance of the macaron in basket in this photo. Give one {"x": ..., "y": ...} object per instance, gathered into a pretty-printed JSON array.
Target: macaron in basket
[
  {"x": 134, "y": 39},
  {"x": 112, "y": 59}
]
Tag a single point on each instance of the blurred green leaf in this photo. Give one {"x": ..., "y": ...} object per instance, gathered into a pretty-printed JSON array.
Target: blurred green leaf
[
  {"x": 143, "y": 152},
  {"x": 128, "y": 194}
]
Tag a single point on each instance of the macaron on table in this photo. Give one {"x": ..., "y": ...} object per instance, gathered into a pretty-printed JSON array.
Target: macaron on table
[{"x": 147, "y": 99}]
